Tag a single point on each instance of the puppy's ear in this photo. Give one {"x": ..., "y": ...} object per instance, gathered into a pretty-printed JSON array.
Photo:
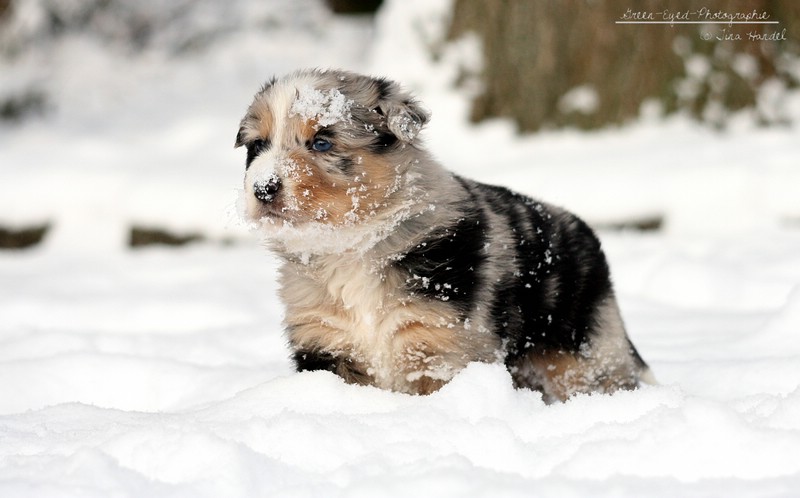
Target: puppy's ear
[
  {"x": 251, "y": 112},
  {"x": 405, "y": 119},
  {"x": 404, "y": 115},
  {"x": 239, "y": 138}
]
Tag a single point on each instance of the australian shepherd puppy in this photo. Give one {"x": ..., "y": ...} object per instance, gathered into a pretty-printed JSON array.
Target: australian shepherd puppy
[{"x": 397, "y": 273}]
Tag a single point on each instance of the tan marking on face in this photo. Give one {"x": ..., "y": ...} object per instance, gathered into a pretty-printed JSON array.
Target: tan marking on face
[
  {"x": 311, "y": 191},
  {"x": 360, "y": 195},
  {"x": 260, "y": 123},
  {"x": 265, "y": 120},
  {"x": 307, "y": 129}
]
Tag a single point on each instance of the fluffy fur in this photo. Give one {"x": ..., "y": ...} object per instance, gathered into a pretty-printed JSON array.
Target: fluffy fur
[{"x": 397, "y": 273}]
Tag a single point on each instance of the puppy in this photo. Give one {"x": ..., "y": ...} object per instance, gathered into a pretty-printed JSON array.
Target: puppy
[{"x": 397, "y": 273}]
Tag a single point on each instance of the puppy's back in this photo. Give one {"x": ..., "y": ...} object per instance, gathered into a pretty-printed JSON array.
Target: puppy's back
[{"x": 536, "y": 276}]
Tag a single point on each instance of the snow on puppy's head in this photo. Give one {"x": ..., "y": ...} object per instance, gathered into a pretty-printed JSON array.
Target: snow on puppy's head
[
  {"x": 327, "y": 152},
  {"x": 325, "y": 109}
]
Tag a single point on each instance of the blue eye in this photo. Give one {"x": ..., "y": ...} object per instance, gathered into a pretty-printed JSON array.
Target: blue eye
[{"x": 321, "y": 145}]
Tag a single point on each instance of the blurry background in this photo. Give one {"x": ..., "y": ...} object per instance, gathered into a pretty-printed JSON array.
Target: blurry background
[
  {"x": 117, "y": 118},
  {"x": 590, "y": 72}
]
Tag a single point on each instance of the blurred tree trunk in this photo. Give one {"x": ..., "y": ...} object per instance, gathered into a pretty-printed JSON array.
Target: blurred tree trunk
[{"x": 554, "y": 63}]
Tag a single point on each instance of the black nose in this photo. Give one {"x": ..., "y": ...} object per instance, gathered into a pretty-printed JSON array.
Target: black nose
[{"x": 266, "y": 190}]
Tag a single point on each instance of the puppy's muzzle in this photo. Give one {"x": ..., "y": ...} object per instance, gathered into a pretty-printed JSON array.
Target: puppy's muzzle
[{"x": 267, "y": 190}]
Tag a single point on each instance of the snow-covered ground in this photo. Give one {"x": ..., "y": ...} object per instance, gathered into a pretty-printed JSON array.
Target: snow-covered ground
[{"x": 163, "y": 371}]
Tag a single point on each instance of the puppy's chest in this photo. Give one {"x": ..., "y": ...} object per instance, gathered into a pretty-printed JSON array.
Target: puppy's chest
[
  {"x": 358, "y": 305},
  {"x": 363, "y": 296},
  {"x": 370, "y": 316}
]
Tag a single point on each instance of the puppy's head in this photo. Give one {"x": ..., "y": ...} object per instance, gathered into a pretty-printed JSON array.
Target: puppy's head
[{"x": 327, "y": 148}]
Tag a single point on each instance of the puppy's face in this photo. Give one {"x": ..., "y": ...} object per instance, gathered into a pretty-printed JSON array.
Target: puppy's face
[{"x": 326, "y": 147}]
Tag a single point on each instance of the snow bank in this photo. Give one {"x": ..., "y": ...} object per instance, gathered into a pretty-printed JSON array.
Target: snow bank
[{"x": 165, "y": 373}]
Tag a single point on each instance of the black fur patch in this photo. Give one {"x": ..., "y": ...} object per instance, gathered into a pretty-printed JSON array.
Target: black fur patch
[
  {"x": 446, "y": 266},
  {"x": 383, "y": 142},
  {"x": 255, "y": 148},
  {"x": 383, "y": 88},
  {"x": 325, "y": 132},
  {"x": 268, "y": 84},
  {"x": 343, "y": 366},
  {"x": 239, "y": 138},
  {"x": 315, "y": 360},
  {"x": 558, "y": 276},
  {"x": 345, "y": 165}
]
